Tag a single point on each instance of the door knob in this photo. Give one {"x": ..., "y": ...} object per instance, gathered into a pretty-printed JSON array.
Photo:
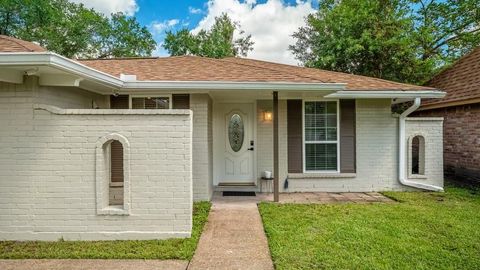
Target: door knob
[{"x": 250, "y": 149}]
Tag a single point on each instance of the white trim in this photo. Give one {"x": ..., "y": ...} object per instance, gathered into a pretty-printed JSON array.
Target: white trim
[
  {"x": 170, "y": 100},
  {"x": 303, "y": 176},
  {"x": 255, "y": 143},
  {"x": 57, "y": 110},
  {"x": 337, "y": 142},
  {"x": 60, "y": 62},
  {"x": 424, "y": 119},
  {"x": 93, "y": 236},
  {"x": 387, "y": 94},
  {"x": 102, "y": 176},
  {"x": 230, "y": 85}
]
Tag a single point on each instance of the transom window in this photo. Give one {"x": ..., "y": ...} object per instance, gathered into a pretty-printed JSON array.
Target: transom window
[
  {"x": 150, "y": 102},
  {"x": 321, "y": 135}
]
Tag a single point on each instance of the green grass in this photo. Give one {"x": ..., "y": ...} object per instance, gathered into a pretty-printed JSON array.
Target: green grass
[
  {"x": 421, "y": 231},
  {"x": 149, "y": 249}
]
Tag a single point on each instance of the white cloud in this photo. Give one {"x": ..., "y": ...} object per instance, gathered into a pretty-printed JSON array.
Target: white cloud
[
  {"x": 108, "y": 7},
  {"x": 271, "y": 24},
  {"x": 193, "y": 10},
  {"x": 159, "y": 27}
]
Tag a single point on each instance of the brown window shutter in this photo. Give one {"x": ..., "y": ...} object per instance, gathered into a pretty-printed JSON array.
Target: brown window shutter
[
  {"x": 347, "y": 136},
  {"x": 119, "y": 102},
  {"x": 181, "y": 101},
  {"x": 294, "y": 136},
  {"x": 116, "y": 161}
]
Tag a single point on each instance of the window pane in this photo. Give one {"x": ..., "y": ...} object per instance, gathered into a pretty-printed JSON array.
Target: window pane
[
  {"x": 320, "y": 107},
  {"x": 162, "y": 102},
  {"x": 151, "y": 103},
  {"x": 309, "y": 107},
  {"x": 138, "y": 103},
  {"x": 321, "y": 157},
  {"x": 332, "y": 107},
  {"x": 320, "y": 126},
  {"x": 320, "y": 121},
  {"x": 331, "y": 134}
]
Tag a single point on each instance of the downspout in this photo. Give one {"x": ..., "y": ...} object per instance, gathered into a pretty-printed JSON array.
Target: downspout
[{"x": 401, "y": 151}]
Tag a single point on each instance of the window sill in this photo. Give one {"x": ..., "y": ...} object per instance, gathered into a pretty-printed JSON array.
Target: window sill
[
  {"x": 320, "y": 175},
  {"x": 113, "y": 210},
  {"x": 417, "y": 176},
  {"x": 116, "y": 184}
]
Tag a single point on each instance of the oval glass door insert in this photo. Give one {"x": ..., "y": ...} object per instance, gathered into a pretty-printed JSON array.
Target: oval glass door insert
[{"x": 236, "y": 132}]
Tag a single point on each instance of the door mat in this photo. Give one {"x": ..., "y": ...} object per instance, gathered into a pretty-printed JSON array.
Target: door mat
[{"x": 239, "y": 193}]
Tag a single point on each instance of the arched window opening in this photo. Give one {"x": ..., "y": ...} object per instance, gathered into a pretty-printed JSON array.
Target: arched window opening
[
  {"x": 116, "y": 174},
  {"x": 417, "y": 155},
  {"x": 112, "y": 175}
]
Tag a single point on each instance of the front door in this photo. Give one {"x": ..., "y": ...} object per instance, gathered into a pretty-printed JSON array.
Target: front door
[{"x": 237, "y": 145}]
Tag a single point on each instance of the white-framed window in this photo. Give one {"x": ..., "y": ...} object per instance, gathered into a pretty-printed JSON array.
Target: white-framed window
[
  {"x": 321, "y": 136},
  {"x": 150, "y": 102}
]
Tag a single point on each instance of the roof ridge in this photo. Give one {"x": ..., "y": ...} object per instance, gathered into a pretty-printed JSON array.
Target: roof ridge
[{"x": 276, "y": 70}]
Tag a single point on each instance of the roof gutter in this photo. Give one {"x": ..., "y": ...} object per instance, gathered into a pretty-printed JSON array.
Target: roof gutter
[
  {"x": 59, "y": 62},
  {"x": 401, "y": 151},
  {"x": 228, "y": 85},
  {"x": 388, "y": 94}
]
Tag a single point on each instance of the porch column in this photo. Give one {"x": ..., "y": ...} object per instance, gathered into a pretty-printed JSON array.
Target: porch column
[{"x": 275, "y": 148}]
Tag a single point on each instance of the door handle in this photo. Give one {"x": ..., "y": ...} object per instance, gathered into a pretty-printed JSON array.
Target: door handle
[{"x": 250, "y": 149}]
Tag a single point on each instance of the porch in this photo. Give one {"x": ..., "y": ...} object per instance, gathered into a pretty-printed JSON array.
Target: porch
[{"x": 307, "y": 197}]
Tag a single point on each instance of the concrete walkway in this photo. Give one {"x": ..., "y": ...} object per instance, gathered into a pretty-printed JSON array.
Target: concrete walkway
[
  {"x": 233, "y": 238},
  {"x": 93, "y": 264}
]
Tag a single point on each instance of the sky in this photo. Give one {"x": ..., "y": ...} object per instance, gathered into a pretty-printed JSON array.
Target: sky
[{"x": 270, "y": 22}]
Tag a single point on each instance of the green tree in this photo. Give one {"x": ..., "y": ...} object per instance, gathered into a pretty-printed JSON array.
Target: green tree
[
  {"x": 401, "y": 40},
  {"x": 217, "y": 42},
  {"x": 72, "y": 30},
  {"x": 125, "y": 37}
]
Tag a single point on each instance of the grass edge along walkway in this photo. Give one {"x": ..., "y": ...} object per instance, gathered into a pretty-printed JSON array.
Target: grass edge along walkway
[
  {"x": 424, "y": 230},
  {"x": 181, "y": 249}
]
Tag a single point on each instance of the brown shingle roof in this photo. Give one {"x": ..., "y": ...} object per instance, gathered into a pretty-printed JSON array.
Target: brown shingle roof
[
  {"x": 11, "y": 44},
  {"x": 193, "y": 68},
  {"x": 461, "y": 81}
]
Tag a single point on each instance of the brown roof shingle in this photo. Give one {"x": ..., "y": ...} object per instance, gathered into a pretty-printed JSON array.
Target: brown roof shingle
[
  {"x": 11, "y": 44},
  {"x": 193, "y": 68},
  {"x": 461, "y": 81}
]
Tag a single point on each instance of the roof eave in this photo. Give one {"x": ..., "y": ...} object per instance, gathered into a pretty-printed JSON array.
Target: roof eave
[
  {"x": 229, "y": 85},
  {"x": 388, "y": 94},
  {"x": 59, "y": 62}
]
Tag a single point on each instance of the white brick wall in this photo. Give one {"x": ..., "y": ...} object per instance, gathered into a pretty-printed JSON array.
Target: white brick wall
[
  {"x": 431, "y": 128},
  {"x": 201, "y": 105},
  {"x": 377, "y": 151},
  {"x": 264, "y": 144},
  {"x": 47, "y": 171},
  {"x": 70, "y": 97}
]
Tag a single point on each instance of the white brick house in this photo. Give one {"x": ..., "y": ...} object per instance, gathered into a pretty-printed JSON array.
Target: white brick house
[{"x": 120, "y": 148}]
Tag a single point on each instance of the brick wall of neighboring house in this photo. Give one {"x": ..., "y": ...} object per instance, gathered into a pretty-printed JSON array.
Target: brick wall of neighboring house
[
  {"x": 461, "y": 140},
  {"x": 49, "y": 173}
]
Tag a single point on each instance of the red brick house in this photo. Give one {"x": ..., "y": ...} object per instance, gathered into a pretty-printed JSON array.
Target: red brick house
[{"x": 461, "y": 111}]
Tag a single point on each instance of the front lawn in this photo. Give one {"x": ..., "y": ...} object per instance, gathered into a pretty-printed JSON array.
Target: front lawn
[
  {"x": 421, "y": 231},
  {"x": 149, "y": 249}
]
